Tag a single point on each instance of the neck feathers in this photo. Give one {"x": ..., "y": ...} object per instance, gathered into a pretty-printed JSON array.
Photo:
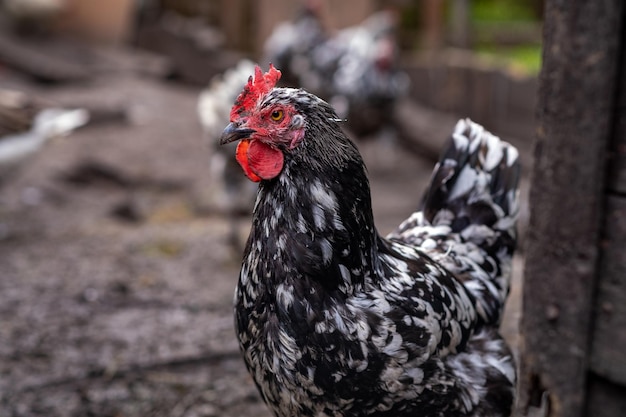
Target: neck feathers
[{"x": 315, "y": 224}]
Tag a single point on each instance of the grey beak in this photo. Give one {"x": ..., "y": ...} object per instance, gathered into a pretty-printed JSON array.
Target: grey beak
[{"x": 233, "y": 132}]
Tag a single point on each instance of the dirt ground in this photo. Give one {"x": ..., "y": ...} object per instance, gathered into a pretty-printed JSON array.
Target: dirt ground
[{"x": 116, "y": 276}]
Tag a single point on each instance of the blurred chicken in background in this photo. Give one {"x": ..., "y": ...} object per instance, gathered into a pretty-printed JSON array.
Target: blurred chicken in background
[
  {"x": 231, "y": 192},
  {"x": 367, "y": 82},
  {"x": 355, "y": 69},
  {"x": 26, "y": 125},
  {"x": 296, "y": 47}
]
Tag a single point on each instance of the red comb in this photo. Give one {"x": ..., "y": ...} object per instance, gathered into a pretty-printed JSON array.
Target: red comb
[{"x": 256, "y": 88}]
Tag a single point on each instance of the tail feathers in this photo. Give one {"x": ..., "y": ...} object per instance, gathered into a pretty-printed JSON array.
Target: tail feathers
[
  {"x": 475, "y": 182},
  {"x": 467, "y": 221}
]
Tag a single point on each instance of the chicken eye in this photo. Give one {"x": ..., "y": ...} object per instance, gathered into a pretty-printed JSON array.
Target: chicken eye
[{"x": 276, "y": 115}]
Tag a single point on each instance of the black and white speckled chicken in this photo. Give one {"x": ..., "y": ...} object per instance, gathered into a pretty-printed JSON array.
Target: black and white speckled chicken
[
  {"x": 367, "y": 83},
  {"x": 355, "y": 69},
  {"x": 292, "y": 46},
  {"x": 334, "y": 319}
]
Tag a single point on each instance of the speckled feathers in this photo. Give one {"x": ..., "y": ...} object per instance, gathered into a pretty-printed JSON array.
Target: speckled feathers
[{"x": 335, "y": 320}]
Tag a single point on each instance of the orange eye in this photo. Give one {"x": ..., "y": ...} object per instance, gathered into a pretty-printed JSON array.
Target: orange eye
[{"x": 277, "y": 115}]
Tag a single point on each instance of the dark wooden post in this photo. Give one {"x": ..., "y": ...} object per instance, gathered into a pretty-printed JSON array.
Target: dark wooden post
[
  {"x": 460, "y": 23},
  {"x": 432, "y": 12},
  {"x": 607, "y": 382},
  {"x": 577, "y": 115}
]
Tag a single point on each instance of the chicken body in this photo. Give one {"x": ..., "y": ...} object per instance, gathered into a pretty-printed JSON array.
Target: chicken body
[{"x": 335, "y": 320}]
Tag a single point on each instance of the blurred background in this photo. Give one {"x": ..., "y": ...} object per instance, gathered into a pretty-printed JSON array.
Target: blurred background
[{"x": 122, "y": 222}]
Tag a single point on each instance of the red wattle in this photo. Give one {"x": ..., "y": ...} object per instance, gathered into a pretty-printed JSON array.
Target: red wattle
[
  {"x": 242, "y": 158},
  {"x": 265, "y": 161},
  {"x": 259, "y": 160}
]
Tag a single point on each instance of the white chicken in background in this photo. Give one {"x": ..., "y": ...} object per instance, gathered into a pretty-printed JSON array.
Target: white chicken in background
[
  {"x": 230, "y": 191},
  {"x": 25, "y": 127}
]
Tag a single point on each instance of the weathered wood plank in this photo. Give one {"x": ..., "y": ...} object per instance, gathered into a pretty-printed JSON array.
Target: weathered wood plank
[
  {"x": 617, "y": 177},
  {"x": 459, "y": 83},
  {"x": 576, "y": 102},
  {"x": 605, "y": 399},
  {"x": 609, "y": 338},
  {"x": 42, "y": 65}
]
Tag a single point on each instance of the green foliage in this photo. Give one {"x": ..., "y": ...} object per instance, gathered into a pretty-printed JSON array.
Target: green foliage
[
  {"x": 502, "y": 11},
  {"x": 525, "y": 59},
  {"x": 491, "y": 19}
]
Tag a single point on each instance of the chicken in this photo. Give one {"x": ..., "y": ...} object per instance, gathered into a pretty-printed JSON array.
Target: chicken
[
  {"x": 292, "y": 45},
  {"x": 367, "y": 83},
  {"x": 334, "y": 319},
  {"x": 355, "y": 70},
  {"x": 230, "y": 188},
  {"x": 26, "y": 126}
]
